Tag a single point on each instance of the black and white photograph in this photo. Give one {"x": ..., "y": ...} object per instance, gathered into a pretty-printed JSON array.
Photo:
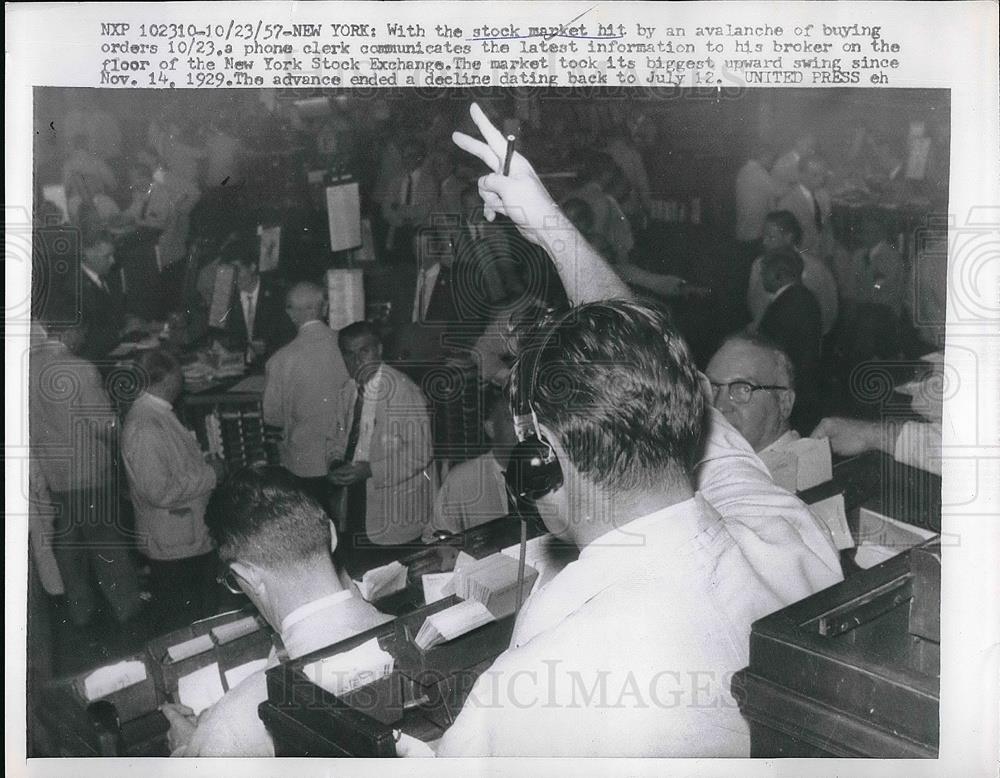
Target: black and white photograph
[{"x": 444, "y": 420}]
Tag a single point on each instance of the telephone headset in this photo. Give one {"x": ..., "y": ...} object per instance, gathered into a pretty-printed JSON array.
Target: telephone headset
[{"x": 533, "y": 469}]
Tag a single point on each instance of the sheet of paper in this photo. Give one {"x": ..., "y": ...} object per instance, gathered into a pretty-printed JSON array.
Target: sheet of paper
[
  {"x": 434, "y": 586},
  {"x": 382, "y": 581},
  {"x": 190, "y": 648},
  {"x": 876, "y": 529},
  {"x": 343, "y": 212},
  {"x": 200, "y": 689},
  {"x": 270, "y": 248},
  {"x": 345, "y": 292},
  {"x": 463, "y": 560},
  {"x": 106, "y": 680},
  {"x": 352, "y": 669},
  {"x": 461, "y": 618},
  {"x": 831, "y": 512},
  {"x": 869, "y": 555},
  {"x": 241, "y": 672},
  {"x": 815, "y": 464}
]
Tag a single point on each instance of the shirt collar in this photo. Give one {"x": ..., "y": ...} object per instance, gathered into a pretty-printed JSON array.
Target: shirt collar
[
  {"x": 156, "y": 402},
  {"x": 310, "y": 322},
  {"x": 92, "y": 275},
  {"x": 777, "y": 294},
  {"x": 295, "y": 626}
]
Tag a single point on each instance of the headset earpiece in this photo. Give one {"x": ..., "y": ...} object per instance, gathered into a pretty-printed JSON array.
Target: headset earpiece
[{"x": 533, "y": 469}]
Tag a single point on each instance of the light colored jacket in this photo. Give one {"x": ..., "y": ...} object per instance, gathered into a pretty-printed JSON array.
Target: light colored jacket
[
  {"x": 302, "y": 383},
  {"x": 169, "y": 481},
  {"x": 400, "y": 492}
]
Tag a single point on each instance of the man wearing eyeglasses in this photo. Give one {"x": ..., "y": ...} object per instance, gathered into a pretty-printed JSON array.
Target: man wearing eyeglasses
[
  {"x": 275, "y": 543},
  {"x": 753, "y": 386}
]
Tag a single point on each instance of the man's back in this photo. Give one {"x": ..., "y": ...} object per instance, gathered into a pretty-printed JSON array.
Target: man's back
[
  {"x": 304, "y": 379},
  {"x": 628, "y": 651}
]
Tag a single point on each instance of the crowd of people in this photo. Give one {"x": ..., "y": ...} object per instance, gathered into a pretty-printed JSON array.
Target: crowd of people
[{"x": 650, "y": 449}]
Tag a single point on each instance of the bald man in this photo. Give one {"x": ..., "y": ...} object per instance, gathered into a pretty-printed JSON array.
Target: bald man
[{"x": 302, "y": 383}]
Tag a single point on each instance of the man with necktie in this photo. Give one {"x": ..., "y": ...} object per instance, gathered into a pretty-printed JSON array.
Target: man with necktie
[{"x": 380, "y": 448}]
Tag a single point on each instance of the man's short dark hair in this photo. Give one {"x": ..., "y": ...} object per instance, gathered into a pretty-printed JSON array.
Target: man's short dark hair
[
  {"x": 762, "y": 341},
  {"x": 261, "y": 515},
  {"x": 360, "y": 329},
  {"x": 787, "y": 223},
  {"x": 616, "y": 385},
  {"x": 784, "y": 261},
  {"x": 156, "y": 365}
]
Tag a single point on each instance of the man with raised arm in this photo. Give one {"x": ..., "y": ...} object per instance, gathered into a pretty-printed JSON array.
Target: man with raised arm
[{"x": 684, "y": 540}]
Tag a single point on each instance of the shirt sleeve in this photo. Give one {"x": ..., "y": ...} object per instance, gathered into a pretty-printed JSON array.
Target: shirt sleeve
[{"x": 919, "y": 445}]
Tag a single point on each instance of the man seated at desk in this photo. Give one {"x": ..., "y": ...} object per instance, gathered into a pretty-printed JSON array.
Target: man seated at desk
[
  {"x": 665, "y": 588},
  {"x": 753, "y": 386},
  {"x": 275, "y": 542}
]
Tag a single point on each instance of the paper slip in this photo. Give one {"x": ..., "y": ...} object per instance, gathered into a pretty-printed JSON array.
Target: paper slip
[
  {"x": 831, "y": 512},
  {"x": 345, "y": 291},
  {"x": 547, "y": 554},
  {"x": 226, "y": 633},
  {"x": 352, "y": 669},
  {"x": 343, "y": 211},
  {"x": 190, "y": 648},
  {"x": 451, "y": 623},
  {"x": 200, "y": 689},
  {"x": 869, "y": 555},
  {"x": 434, "y": 586},
  {"x": 382, "y": 581},
  {"x": 241, "y": 672},
  {"x": 270, "y": 248},
  {"x": 801, "y": 465},
  {"x": 876, "y": 529},
  {"x": 106, "y": 680}
]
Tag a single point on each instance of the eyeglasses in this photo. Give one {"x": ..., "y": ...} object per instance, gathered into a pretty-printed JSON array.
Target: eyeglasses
[
  {"x": 740, "y": 392},
  {"x": 229, "y": 579}
]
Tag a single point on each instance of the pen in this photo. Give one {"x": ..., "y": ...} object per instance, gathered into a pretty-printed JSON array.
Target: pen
[{"x": 511, "y": 142}]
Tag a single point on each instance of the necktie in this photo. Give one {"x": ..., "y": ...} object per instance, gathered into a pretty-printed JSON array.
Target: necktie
[
  {"x": 817, "y": 214},
  {"x": 408, "y": 191},
  {"x": 355, "y": 432}
]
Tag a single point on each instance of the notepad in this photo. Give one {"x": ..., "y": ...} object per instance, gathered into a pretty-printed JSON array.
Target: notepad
[
  {"x": 200, "y": 689},
  {"x": 112, "y": 678},
  {"x": 226, "y": 633},
  {"x": 451, "y": 623},
  {"x": 352, "y": 669},
  {"x": 241, "y": 672},
  {"x": 492, "y": 581},
  {"x": 190, "y": 648},
  {"x": 382, "y": 581}
]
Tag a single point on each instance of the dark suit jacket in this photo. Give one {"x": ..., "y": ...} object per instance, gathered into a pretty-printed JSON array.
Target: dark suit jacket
[
  {"x": 271, "y": 323},
  {"x": 103, "y": 315},
  {"x": 793, "y": 321}
]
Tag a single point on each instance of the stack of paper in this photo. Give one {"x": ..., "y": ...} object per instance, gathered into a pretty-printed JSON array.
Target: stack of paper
[
  {"x": 112, "y": 678},
  {"x": 382, "y": 581},
  {"x": 436, "y": 586},
  {"x": 800, "y": 465},
  {"x": 226, "y": 633},
  {"x": 451, "y": 623},
  {"x": 493, "y": 582},
  {"x": 352, "y": 669},
  {"x": 190, "y": 648}
]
